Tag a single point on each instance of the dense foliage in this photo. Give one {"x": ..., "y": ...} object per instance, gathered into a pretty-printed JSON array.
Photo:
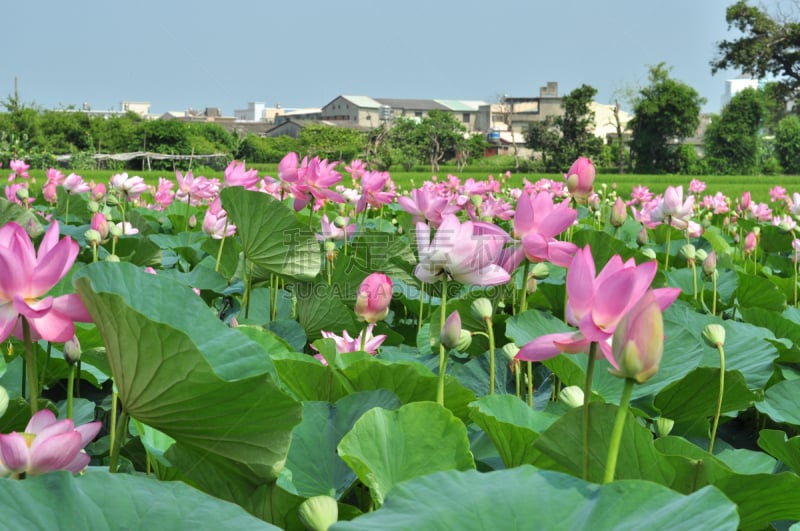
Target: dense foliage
[{"x": 732, "y": 141}]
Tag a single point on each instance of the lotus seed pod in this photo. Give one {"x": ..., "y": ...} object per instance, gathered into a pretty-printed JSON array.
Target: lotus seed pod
[
  {"x": 649, "y": 253},
  {"x": 340, "y": 222},
  {"x": 3, "y": 400},
  {"x": 112, "y": 258},
  {"x": 571, "y": 396},
  {"x": 701, "y": 255},
  {"x": 476, "y": 200},
  {"x": 688, "y": 251},
  {"x": 22, "y": 194},
  {"x": 664, "y": 426},
  {"x": 318, "y": 513},
  {"x": 540, "y": 271},
  {"x": 714, "y": 334},
  {"x": 464, "y": 341},
  {"x": 510, "y": 351},
  {"x": 93, "y": 237},
  {"x": 482, "y": 308}
]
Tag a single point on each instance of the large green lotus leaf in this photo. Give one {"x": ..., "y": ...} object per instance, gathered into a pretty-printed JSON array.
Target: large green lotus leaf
[
  {"x": 319, "y": 307},
  {"x": 526, "y": 498},
  {"x": 25, "y": 218},
  {"x": 720, "y": 242},
  {"x": 308, "y": 379},
  {"x": 99, "y": 500},
  {"x": 695, "y": 395},
  {"x": 182, "y": 371},
  {"x": 272, "y": 237},
  {"x": 512, "y": 425},
  {"x": 603, "y": 246},
  {"x": 638, "y": 458},
  {"x": 410, "y": 381},
  {"x": 763, "y": 498},
  {"x": 474, "y": 375},
  {"x": 775, "y": 443},
  {"x": 782, "y": 325},
  {"x": 387, "y": 447},
  {"x": 313, "y": 467},
  {"x": 744, "y": 461},
  {"x": 780, "y": 402},
  {"x": 693, "y": 466},
  {"x": 758, "y": 292}
]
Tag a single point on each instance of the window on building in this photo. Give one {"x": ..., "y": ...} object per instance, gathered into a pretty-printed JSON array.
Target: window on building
[
  {"x": 465, "y": 117},
  {"x": 418, "y": 114}
]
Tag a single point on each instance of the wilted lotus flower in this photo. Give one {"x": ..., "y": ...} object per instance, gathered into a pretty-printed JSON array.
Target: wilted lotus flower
[
  {"x": 580, "y": 179},
  {"x": 47, "y": 444},
  {"x": 374, "y": 296}
]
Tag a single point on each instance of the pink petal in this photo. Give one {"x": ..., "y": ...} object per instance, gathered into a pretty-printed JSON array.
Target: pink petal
[
  {"x": 33, "y": 309},
  {"x": 80, "y": 462},
  {"x": 53, "y": 266},
  {"x": 49, "y": 240},
  {"x": 558, "y": 221},
  {"x": 56, "y": 428},
  {"x": 8, "y": 320},
  {"x": 88, "y": 432},
  {"x": 54, "y": 326},
  {"x": 491, "y": 275},
  {"x": 39, "y": 421},
  {"x": 561, "y": 253},
  {"x": 14, "y": 452},
  {"x": 55, "y": 453},
  {"x": 536, "y": 247},
  {"x": 72, "y": 306},
  {"x": 664, "y": 297},
  {"x": 523, "y": 215},
  {"x": 543, "y": 347},
  {"x": 581, "y": 283}
]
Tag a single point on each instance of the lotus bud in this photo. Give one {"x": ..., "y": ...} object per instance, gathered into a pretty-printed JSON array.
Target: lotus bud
[
  {"x": 638, "y": 341},
  {"x": 319, "y": 513},
  {"x": 714, "y": 334},
  {"x": 641, "y": 238},
  {"x": 750, "y": 242},
  {"x": 482, "y": 308},
  {"x": 619, "y": 213},
  {"x": 757, "y": 231},
  {"x": 100, "y": 224},
  {"x": 540, "y": 271},
  {"x": 594, "y": 204},
  {"x": 192, "y": 221},
  {"x": 93, "y": 237},
  {"x": 72, "y": 350},
  {"x": 571, "y": 396},
  {"x": 451, "y": 332},
  {"x": 649, "y": 253},
  {"x": 531, "y": 284},
  {"x": 580, "y": 178},
  {"x": 112, "y": 258},
  {"x": 664, "y": 426},
  {"x": 710, "y": 263},
  {"x": 689, "y": 252},
  {"x": 374, "y": 297},
  {"x": 510, "y": 351},
  {"x": 700, "y": 255},
  {"x": 4, "y": 399}
]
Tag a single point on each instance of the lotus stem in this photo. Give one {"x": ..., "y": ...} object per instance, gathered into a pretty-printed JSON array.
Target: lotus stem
[
  {"x": 616, "y": 432},
  {"x": 517, "y": 378},
  {"x": 66, "y": 212},
  {"x": 694, "y": 278},
  {"x": 530, "y": 384},
  {"x": 490, "y": 333},
  {"x": 121, "y": 430},
  {"x": 221, "y": 245},
  {"x": 442, "y": 350},
  {"x": 587, "y": 395},
  {"x": 30, "y": 364},
  {"x": 421, "y": 304},
  {"x": 714, "y": 293},
  {"x": 70, "y": 389},
  {"x": 669, "y": 237},
  {"x": 523, "y": 301},
  {"x": 718, "y": 413}
]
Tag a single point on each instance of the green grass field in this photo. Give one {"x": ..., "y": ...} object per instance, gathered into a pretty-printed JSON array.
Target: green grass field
[{"x": 732, "y": 186}]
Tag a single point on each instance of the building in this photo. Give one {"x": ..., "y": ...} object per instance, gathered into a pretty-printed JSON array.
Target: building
[
  {"x": 517, "y": 112},
  {"x": 734, "y": 86},
  {"x": 367, "y": 112},
  {"x": 142, "y": 108}
]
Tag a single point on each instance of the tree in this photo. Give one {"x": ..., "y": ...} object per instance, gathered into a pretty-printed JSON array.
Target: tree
[
  {"x": 333, "y": 143},
  {"x": 787, "y": 144},
  {"x": 769, "y": 44},
  {"x": 732, "y": 140},
  {"x": 665, "y": 113},
  {"x": 568, "y": 136},
  {"x": 439, "y": 135}
]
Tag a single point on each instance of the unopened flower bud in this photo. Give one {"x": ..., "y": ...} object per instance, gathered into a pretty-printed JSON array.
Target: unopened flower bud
[
  {"x": 664, "y": 426},
  {"x": 318, "y": 513},
  {"x": 72, "y": 350},
  {"x": 714, "y": 334},
  {"x": 451, "y": 332},
  {"x": 192, "y": 221},
  {"x": 641, "y": 238},
  {"x": 510, "y": 351},
  {"x": 619, "y": 213},
  {"x": 482, "y": 308},
  {"x": 571, "y": 396},
  {"x": 710, "y": 263}
]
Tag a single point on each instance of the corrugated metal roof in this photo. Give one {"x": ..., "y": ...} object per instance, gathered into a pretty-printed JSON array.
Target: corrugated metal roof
[
  {"x": 365, "y": 102},
  {"x": 461, "y": 105},
  {"x": 412, "y": 104}
]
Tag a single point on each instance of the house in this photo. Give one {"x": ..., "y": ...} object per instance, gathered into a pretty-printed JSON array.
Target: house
[
  {"x": 520, "y": 111},
  {"x": 294, "y": 126},
  {"x": 367, "y": 112},
  {"x": 142, "y": 108}
]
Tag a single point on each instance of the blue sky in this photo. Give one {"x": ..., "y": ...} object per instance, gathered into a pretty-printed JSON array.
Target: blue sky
[{"x": 303, "y": 53}]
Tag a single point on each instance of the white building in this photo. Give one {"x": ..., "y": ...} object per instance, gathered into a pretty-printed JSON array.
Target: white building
[
  {"x": 253, "y": 113},
  {"x": 734, "y": 86}
]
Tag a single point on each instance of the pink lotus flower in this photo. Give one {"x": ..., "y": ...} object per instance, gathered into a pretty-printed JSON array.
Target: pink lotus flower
[
  {"x": 346, "y": 344},
  {"x": 27, "y": 276},
  {"x": 425, "y": 204},
  {"x": 164, "y": 195},
  {"x": 673, "y": 208},
  {"x": 580, "y": 178},
  {"x": 195, "y": 189},
  {"x": 314, "y": 179},
  {"x": 638, "y": 341},
  {"x": 537, "y": 221},
  {"x": 129, "y": 188},
  {"x": 356, "y": 169},
  {"x": 331, "y": 230},
  {"x": 777, "y": 193},
  {"x": 100, "y": 224},
  {"x": 18, "y": 169},
  {"x": 696, "y": 186},
  {"x": 46, "y": 445},
  {"x": 596, "y": 304},
  {"x": 468, "y": 252},
  {"x": 74, "y": 184},
  {"x": 377, "y": 189},
  {"x": 236, "y": 175},
  {"x": 750, "y": 242},
  {"x": 54, "y": 179},
  {"x": 374, "y": 297},
  {"x": 215, "y": 222}
]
